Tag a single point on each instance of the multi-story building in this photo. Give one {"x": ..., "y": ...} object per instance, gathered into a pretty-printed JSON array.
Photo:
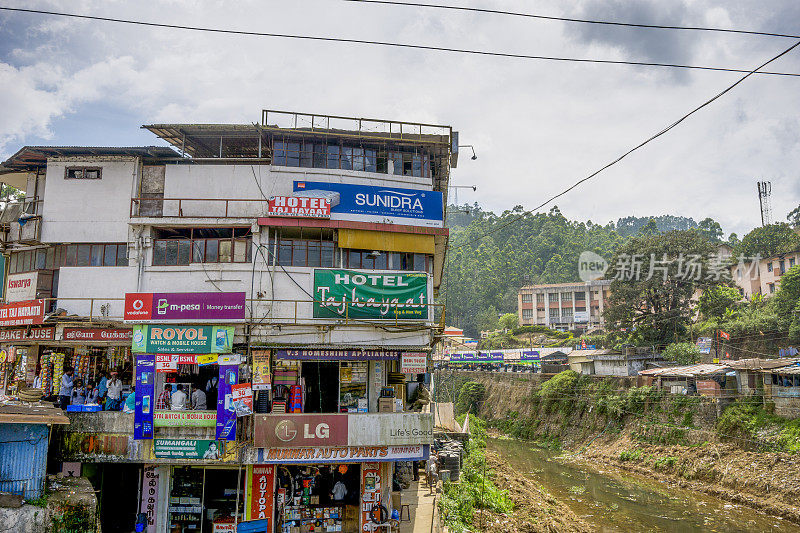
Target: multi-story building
[
  {"x": 763, "y": 276},
  {"x": 285, "y": 270},
  {"x": 564, "y": 306}
]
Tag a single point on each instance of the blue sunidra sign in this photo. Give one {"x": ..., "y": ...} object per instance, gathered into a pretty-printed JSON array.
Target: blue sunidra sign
[{"x": 379, "y": 204}]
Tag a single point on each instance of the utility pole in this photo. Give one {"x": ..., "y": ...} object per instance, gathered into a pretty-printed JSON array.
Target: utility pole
[{"x": 765, "y": 201}]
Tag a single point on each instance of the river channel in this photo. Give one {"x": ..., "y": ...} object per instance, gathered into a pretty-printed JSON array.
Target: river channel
[{"x": 614, "y": 500}]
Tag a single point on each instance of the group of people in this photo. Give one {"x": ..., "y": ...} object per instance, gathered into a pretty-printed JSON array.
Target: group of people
[
  {"x": 106, "y": 392},
  {"x": 180, "y": 399}
]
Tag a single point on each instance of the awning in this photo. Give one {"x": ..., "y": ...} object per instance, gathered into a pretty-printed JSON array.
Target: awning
[
  {"x": 338, "y": 355},
  {"x": 386, "y": 241}
]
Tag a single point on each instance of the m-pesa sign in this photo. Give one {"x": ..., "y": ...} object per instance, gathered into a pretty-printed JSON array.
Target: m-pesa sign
[
  {"x": 22, "y": 313},
  {"x": 299, "y": 207},
  {"x": 184, "y": 306}
]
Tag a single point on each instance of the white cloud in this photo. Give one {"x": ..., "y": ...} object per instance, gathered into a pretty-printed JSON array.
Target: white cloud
[{"x": 537, "y": 126}]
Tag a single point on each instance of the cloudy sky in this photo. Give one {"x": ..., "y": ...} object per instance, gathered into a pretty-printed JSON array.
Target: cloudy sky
[{"x": 537, "y": 126}]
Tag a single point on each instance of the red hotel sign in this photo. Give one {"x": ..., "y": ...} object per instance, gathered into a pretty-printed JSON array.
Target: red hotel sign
[
  {"x": 27, "y": 334},
  {"x": 22, "y": 313},
  {"x": 301, "y": 430},
  {"x": 299, "y": 206},
  {"x": 97, "y": 334}
]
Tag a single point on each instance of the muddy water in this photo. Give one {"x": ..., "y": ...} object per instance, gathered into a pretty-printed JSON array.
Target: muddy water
[{"x": 614, "y": 500}]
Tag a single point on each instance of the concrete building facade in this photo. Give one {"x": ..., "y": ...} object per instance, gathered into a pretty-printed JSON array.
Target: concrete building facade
[{"x": 564, "y": 306}]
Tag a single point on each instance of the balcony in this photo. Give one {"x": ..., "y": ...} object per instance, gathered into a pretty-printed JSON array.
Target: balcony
[{"x": 22, "y": 221}]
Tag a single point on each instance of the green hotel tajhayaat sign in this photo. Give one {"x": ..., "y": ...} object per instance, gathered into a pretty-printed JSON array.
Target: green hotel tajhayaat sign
[{"x": 370, "y": 295}]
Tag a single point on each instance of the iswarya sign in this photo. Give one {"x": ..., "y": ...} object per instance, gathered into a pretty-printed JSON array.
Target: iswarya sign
[{"x": 386, "y": 295}]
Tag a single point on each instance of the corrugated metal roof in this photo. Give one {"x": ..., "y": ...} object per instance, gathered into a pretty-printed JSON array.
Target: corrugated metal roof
[
  {"x": 784, "y": 370},
  {"x": 33, "y": 156},
  {"x": 23, "y": 459},
  {"x": 762, "y": 364},
  {"x": 706, "y": 369}
]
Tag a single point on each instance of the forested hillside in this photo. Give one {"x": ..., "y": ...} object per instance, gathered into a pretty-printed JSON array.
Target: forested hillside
[{"x": 490, "y": 258}]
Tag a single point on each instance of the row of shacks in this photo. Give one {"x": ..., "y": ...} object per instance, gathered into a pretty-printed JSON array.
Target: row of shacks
[{"x": 777, "y": 379}]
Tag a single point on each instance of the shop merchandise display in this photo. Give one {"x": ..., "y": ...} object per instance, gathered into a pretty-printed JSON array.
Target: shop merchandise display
[
  {"x": 46, "y": 375},
  {"x": 58, "y": 370}
]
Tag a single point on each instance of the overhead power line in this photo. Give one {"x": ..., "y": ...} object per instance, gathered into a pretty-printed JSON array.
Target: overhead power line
[
  {"x": 635, "y": 148},
  {"x": 577, "y": 20},
  {"x": 486, "y": 53}
]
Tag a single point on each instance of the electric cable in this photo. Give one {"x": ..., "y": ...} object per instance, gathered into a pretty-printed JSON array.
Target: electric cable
[
  {"x": 392, "y": 44},
  {"x": 635, "y": 148},
  {"x": 577, "y": 20}
]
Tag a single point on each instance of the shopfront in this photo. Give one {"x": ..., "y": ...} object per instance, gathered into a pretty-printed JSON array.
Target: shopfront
[{"x": 205, "y": 499}]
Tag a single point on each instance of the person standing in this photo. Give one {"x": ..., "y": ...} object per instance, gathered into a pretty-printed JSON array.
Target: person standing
[
  {"x": 102, "y": 387},
  {"x": 198, "y": 399},
  {"x": 114, "y": 401},
  {"x": 179, "y": 399},
  {"x": 65, "y": 392},
  {"x": 78, "y": 393},
  {"x": 164, "y": 399},
  {"x": 130, "y": 401}
]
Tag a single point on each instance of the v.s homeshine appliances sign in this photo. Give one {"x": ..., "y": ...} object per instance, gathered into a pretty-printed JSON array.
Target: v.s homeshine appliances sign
[
  {"x": 370, "y": 295},
  {"x": 366, "y": 203}
]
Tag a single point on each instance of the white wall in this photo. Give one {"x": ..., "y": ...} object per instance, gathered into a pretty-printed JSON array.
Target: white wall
[
  {"x": 242, "y": 182},
  {"x": 103, "y": 283},
  {"x": 77, "y": 210}
]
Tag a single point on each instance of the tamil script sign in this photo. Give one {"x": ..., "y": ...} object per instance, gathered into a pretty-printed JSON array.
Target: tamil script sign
[
  {"x": 182, "y": 339},
  {"x": 349, "y": 454},
  {"x": 370, "y": 295},
  {"x": 97, "y": 334},
  {"x": 367, "y": 203},
  {"x": 186, "y": 449},
  {"x": 185, "y": 418},
  {"x": 185, "y": 306},
  {"x": 299, "y": 207},
  {"x": 22, "y": 313}
]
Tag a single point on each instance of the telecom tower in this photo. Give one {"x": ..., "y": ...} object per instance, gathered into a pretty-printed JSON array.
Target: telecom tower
[{"x": 764, "y": 199}]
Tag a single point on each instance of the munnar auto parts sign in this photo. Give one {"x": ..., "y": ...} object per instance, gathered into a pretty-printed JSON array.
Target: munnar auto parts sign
[{"x": 370, "y": 295}]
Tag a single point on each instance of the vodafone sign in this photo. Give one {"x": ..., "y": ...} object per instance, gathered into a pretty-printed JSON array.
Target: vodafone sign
[{"x": 299, "y": 206}]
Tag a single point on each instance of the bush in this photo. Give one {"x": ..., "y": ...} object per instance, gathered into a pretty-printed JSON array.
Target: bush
[
  {"x": 470, "y": 397},
  {"x": 683, "y": 353}
]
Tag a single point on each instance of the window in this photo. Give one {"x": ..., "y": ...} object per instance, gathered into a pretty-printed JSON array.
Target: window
[
  {"x": 769, "y": 266},
  {"x": 553, "y": 296},
  {"x": 791, "y": 262},
  {"x": 69, "y": 255},
  {"x": 771, "y": 287},
  {"x": 351, "y": 156},
  {"x": 783, "y": 266},
  {"x": 580, "y": 296},
  {"x": 82, "y": 173},
  {"x": 527, "y": 298},
  {"x": 554, "y": 313},
  {"x": 368, "y": 259},
  {"x": 566, "y": 312},
  {"x": 566, "y": 296},
  {"x": 306, "y": 247},
  {"x": 540, "y": 298},
  {"x": 182, "y": 246},
  {"x": 527, "y": 313}
]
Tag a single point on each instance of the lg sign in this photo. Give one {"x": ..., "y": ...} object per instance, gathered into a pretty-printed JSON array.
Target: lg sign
[{"x": 302, "y": 430}]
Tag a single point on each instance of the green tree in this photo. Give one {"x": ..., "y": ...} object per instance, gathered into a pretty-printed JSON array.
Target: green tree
[
  {"x": 470, "y": 397},
  {"x": 655, "y": 278},
  {"x": 794, "y": 216},
  {"x": 487, "y": 319},
  {"x": 710, "y": 229},
  {"x": 8, "y": 193},
  {"x": 509, "y": 321},
  {"x": 715, "y": 301},
  {"x": 768, "y": 241},
  {"x": 733, "y": 240},
  {"x": 651, "y": 228},
  {"x": 683, "y": 353}
]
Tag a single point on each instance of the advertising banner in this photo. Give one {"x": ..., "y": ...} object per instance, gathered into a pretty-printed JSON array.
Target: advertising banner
[
  {"x": 185, "y": 306},
  {"x": 336, "y": 454},
  {"x": 182, "y": 339},
  {"x": 338, "y": 355},
  {"x": 144, "y": 395},
  {"x": 22, "y": 313},
  {"x": 149, "y": 504},
  {"x": 226, "y": 410},
  {"x": 367, "y": 203},
  {"x": 261, "y": 372},
  {"x": 287, "y": 431},
  {"x": 299, "y": 207},
  {"x": 370, "y": 295},
  {"x": 184, "y": 418},
  {"x": 186, "y": 449},
  {"x": 581, "y": 316},
  {"x": 390, "y": 428},
  {"x": 165, "y": 363},
  {"x": 97, "y": 334},
  {"x": 21, "y": 287},
  {"x": 414, "y": 363},
  {"x": 242, "y": 398},
  {"x": 261, "y": 489},
  {"x": 27, "y": 334}
]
